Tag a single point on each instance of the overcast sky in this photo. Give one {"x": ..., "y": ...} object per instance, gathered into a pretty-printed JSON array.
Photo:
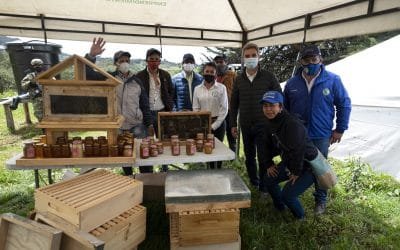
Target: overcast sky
[{"x": 170, "y": 53}]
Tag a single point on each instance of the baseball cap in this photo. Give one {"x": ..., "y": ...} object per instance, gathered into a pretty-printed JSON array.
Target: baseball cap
[
  {"x": 272, "y": 97},
  {"x": 187, "y": 57},
  {"x": 119, "y": 54},
  {"x": 310, "y": 50}
]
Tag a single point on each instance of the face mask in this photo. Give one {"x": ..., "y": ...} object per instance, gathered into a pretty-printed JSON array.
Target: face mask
[
  {"x": 153, "y": 65},
  {"x": 209, "y": 78},
  {"x": 312, "y": 69},
  {"x": 188, "y": 67},
  {"x": 123, "y": 67},
  {"x": 251, "y": 63},
  {"x": 221, "y": 69}
]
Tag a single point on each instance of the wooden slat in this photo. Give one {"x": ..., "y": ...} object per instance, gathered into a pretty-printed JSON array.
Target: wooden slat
[
  {"x": 41, "y": 237},
  {"x": 179, "y": 207}
]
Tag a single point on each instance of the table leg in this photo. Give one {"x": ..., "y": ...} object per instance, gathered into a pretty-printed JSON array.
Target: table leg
[
  {"x": 49, "y": 176},
  {"x": 36, "y": 172}
]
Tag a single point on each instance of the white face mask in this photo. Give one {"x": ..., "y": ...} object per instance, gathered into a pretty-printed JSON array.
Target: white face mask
[
  {"x": 251, "y": 63},
  {"x": 188, "y": 67},
  {"x": 123, "y": 67}
]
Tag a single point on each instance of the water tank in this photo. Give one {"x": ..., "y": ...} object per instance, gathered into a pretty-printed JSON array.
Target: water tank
[{"x": 21, "y": 55}]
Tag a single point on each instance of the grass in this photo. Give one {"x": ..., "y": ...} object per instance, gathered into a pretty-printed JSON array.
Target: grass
[{"x": 363, "y": 209}]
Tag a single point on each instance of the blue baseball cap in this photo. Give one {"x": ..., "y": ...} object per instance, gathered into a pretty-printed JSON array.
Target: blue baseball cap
[
  {"x": 272, "y": 97},
  {"x": 310, "y": 50}
]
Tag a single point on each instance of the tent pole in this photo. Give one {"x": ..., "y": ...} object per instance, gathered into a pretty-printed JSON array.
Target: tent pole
[{"x": 43, "y": 27}]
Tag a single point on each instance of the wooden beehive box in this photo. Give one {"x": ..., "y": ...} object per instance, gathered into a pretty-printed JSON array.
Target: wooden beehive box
[
  {"x": 78, "y": 99},
  {"x": 89, "y": 200},
  {"x": 79, "y": 104},
  {"x": 204, "y": 207},
  {"x": 125, "y": 231},
  {"x": 185, "y": 124},
  {"x": 17, "y": 233},
  {"x": 204, "y": 227}
]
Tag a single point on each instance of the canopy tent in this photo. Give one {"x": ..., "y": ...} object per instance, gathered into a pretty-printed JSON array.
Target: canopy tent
[
  {"x": 372, "y": 80},
  {"x": 228, "y": 23}
]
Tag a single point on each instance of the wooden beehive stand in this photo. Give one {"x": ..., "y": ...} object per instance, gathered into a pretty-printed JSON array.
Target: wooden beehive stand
[
  {"x": 56, "y": 122},
  {"x": 94, "y": 210}
]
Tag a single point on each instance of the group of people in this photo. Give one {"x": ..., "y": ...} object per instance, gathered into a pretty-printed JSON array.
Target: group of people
[{"x": 294, "y": 123}]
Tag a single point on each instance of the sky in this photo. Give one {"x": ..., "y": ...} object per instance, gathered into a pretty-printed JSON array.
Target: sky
[{"x": 170, "y": 53}]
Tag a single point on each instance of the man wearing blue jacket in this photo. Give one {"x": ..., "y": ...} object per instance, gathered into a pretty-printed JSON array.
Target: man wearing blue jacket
[{"x": 317, "y": 96}]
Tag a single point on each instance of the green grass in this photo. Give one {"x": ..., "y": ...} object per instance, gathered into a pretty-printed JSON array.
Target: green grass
[{"x": 363, "y": 209}]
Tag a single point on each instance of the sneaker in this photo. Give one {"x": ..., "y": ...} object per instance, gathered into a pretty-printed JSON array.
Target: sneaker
[{"x": 319, "y": 208}]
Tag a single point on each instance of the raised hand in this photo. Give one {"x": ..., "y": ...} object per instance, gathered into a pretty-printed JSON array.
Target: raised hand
[{"x": 97, "y": 47}]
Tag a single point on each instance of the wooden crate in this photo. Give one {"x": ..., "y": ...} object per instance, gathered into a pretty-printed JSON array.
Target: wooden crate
[
  {"x": 204, "y": 227},
  {"x": 17, "y": 233},
  {"x": 186, "y": 124},
  {"x": 125, "y": 231},
  {"x": 89, "y": 200}
]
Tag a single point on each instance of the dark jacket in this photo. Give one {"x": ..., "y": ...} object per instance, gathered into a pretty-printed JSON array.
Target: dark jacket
[
  {"x": 182, "y": 97},
  {"x": 167, "y": 89},
  {"x": 132, "y": 100},
  {"x": 287, "y": 136},
  {"x": 328, "y": 98},
  {"x": 246, "y": 96}
]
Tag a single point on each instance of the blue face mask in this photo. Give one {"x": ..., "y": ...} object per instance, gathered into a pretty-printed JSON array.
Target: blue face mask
[{"x": 312, "y": 69}]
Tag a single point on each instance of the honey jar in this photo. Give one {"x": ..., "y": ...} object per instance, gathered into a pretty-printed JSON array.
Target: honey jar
[
  {"x": 153, "y": 151},
  {"x": 113, "y": 150},
  {"x": 160, "y": 148},
  {"x": 128, "y": 150},
  {"x": 96, "y": 149},
  {"x": 56, "y": 150},
  {"x": 65, "y": 151},
  {"x": 190, "y": 147},
  {"x": 88, "y": 150},
  {"x": 29, "y": 150},
  {"x": 46, "y": 151},
  {"x": 175, "y": 147},
  {"x": 104, "y": 150},
  {"x": 199, "y": 145},
  {"x": 208, "y": 148},
  {"x": 39, "y": 150},
  {"x": 200, "y": 136},
  {"x": 144, "y": 150}
]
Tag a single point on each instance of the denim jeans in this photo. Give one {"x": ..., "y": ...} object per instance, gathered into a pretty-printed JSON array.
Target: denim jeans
[
  {"x": 253, "y": 144},
  {"x": 218, "y": 133},
  {"x": 321, "y": 195},
  {"x": 289, "y": 194},
  {"x": 138, "y": 131}
]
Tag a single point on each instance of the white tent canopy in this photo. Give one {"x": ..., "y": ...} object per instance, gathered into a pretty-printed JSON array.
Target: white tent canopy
[
  {"x": 227, "y": 23},
  {"x": 373, "y": 82}
]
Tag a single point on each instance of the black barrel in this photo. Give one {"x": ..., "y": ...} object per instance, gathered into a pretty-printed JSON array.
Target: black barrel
[{"x": 21, "y": 55}]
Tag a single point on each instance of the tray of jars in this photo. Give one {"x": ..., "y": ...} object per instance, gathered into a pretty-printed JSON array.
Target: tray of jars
[{"x": 77, "y": 151}]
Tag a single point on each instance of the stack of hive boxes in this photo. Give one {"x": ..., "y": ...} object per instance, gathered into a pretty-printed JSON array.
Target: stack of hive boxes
[
  {"x": 204, "y": 209},
  {"x": 94, "y": 210}
]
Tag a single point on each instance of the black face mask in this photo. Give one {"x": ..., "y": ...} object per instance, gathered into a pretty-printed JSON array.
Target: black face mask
[
  {"x": 38, "y": 69},
  {"x": 209, "y": 78}
]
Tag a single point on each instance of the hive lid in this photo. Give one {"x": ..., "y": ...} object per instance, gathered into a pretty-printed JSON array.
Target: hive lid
[{"x": 204, "y": 186}]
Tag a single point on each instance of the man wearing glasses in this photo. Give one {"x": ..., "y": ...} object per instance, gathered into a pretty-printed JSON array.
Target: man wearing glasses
[{"x": 317, "y": 96}]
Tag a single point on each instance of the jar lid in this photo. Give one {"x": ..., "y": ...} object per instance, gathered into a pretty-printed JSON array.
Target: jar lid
[{"x": 28, "y": 142}]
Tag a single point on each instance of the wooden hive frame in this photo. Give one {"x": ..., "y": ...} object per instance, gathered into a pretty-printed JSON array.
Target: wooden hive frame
[
  {"x": 89, "y": 200},
  {"x": 17, "y": 232},
  {"x": 125, "y": 231}
]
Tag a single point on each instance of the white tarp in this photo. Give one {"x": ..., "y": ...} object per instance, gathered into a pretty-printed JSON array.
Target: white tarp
[
  {"x": 372, "y": 79},
  {"x": 199, "y": 23}
]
